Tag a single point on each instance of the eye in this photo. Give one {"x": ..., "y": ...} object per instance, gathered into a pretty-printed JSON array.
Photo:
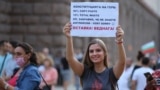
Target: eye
[
  {"x": 90, "y": 51},
  {"x": 18, "y": 54},
  {"x": 98, "y": 50}
]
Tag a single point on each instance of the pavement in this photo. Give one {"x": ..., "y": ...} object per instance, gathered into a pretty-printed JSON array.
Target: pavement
[{"x": 70, "y": 87}]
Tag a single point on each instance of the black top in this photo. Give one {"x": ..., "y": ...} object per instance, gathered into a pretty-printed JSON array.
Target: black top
[{"x": 64, "y": 63}]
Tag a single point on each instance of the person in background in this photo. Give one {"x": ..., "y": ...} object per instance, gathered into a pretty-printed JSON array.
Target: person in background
[
  {"x": 49, "y": 74},
  {"x": 11, "y": 65},
  {"x": 139, "y": 79},
  {"x": 57, "y": 61},
  {"x": 158, "y": 61},
  {"x": 29, "y": 79},
  {"x": 65, "y": 72},
  {"x": 46, "y": 52},
  {"x": 153, "y": 61},
  {"x": 79, "y": 56},
  {"x": 4, "y": 55},
  {"x": 153, "y": 84},
  {"x": 124, "y": 80},
  {"x": 138, "y": 64},
  {"x": 94, "y": 72},
  {"x": 40, "y": 59}
]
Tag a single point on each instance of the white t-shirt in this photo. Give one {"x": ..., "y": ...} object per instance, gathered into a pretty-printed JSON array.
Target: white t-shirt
[
  {"x": 41, "y": 68},
  {"x": 8, "y": 57},
  {"x": 123, "y": 82},
  {"x": 10, "y": 66},
  {"x": 139, "y": 77}
]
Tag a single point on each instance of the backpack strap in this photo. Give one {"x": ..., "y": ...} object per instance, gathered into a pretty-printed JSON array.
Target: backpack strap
[{"x": 45, "y": 82}]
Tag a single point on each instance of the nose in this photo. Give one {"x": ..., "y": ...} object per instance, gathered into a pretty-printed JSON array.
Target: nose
[{"x": 94, "y": 52}]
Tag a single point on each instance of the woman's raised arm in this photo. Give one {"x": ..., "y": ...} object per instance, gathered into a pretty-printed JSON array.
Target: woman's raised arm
[
  {"x": 76, "y": 66},
  {"x": 120, "y": 65}
]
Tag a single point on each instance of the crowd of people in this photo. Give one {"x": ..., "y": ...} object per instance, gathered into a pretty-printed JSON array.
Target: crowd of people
[
  {"x": 22, "y": 68},
  {"x": 133, "y": 77}
]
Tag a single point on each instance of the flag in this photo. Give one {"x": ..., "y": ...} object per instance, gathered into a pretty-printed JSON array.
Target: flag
[{"x": 148, "y": 47}]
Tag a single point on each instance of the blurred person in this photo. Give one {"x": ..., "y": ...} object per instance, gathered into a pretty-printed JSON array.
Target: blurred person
[
  {"x": 57, "y": 60},
  {"x": 46, "y": 52},
  {"x": 139, "y": 79},
  {"x": 124, "y": 80},
  {"x": 94, "y": 71},
  {"x": 49, "y": 74},
  {"x": 11, "y": 63},
  {"x": 79, "y": 56},
  {"x": 153, "y": 84},
  {"x": 65, "y": 72},
  {"x": 138, "y": 64},
  {"x": 29, "y": 79},
  {"x": 153, "y": 61},
  {"x": 158, "y": 60},
  {"x": 11, "y": 46},
  {"x": 40, "y": 59},
  {"x": 4, "y": 55}
]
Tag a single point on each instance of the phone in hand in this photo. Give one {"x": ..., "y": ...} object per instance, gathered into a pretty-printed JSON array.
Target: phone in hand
[{"x": 148, "y": 76}]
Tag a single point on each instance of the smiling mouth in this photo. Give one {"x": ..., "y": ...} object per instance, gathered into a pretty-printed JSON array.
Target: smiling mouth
[{"x": 95, "y": 58}]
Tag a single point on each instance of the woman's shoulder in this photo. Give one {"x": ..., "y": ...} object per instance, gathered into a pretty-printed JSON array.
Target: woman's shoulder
[{"x": 32, "y": 68}]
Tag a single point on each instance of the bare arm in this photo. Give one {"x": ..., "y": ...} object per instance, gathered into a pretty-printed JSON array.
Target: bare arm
[
  {"x": 4, "y": 76},
  {"x": 120, "y": 65},
  {"x": 4, "y": 85},
  {"x": 133, "y": 85},
  {"x": 76, "y": 66}
]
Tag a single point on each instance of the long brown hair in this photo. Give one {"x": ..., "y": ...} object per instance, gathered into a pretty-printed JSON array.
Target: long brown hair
[{"x": 86, "y": 59}]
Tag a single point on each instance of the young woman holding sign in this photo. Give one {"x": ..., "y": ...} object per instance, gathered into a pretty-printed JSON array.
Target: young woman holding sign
[{"x": 94, "y": 71}]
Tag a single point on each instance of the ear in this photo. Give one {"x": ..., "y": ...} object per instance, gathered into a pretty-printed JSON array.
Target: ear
[{"x": 28, "y": 55}]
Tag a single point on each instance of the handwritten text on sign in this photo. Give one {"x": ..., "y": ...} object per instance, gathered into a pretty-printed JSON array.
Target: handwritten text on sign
[{"x": 94, "y": 19}]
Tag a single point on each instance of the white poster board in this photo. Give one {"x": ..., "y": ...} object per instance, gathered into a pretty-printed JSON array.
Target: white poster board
[{"x": 94, "y": 19}]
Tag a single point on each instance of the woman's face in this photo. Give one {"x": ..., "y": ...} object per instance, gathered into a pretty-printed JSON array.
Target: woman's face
[
  {"x": 20, "y": 53},
  {"x": 96, "y": 53},
  {"x": 46, "y": 63}
]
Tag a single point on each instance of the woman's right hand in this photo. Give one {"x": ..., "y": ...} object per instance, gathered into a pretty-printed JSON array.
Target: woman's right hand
[
  {"x": 2, "y": 83},
  {"x": 67, "y": 29}
]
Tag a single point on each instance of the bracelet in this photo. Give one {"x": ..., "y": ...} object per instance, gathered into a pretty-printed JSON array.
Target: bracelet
[
  {"x": 119, "y": 41},
  {"x": 6, "y": 86}
]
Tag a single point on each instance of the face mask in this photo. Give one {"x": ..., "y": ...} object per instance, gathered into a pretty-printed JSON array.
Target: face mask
[{"x": 20, "y": 61}]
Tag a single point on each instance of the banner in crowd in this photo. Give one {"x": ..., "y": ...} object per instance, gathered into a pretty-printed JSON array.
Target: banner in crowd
[{"x": 94, "y": 19}]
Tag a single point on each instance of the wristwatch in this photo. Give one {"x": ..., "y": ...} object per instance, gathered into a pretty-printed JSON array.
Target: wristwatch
[{"x": 6, "y": 86}]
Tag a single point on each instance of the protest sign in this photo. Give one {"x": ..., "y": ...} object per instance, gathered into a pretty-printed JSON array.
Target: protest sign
[{"x": 94, "y": 19}]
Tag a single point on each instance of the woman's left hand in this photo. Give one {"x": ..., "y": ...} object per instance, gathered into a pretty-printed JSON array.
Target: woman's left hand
[
  {"x": 2, "y": 83},
  {"x": 119, "y": 34}
]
